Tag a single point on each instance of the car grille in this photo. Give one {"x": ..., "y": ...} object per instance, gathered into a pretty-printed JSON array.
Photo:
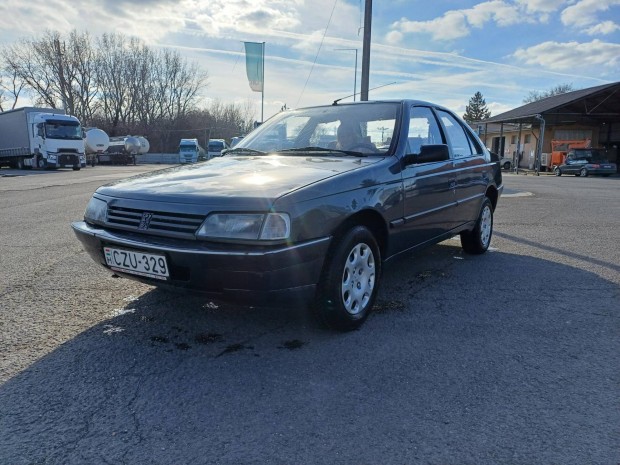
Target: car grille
[{"x": 154, "y": 222}]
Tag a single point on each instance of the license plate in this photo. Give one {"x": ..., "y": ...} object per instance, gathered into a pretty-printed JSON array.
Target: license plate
[{"x": 138, "y": 263}]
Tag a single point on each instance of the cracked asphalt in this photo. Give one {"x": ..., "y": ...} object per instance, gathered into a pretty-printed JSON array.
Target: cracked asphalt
[{"x": 512, "y": 357}]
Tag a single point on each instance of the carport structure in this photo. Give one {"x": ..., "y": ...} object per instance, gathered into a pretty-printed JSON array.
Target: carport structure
[{"x": 594, "y": 111}]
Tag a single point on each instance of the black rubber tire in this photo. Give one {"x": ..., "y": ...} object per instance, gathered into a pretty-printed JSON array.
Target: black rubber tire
[
  {"x": 357, "y": 247},
  {"x": 506, "y": 166},
  {"x": 583, "y": 173},
  {"x": 477, "y": 240},
  {"x": 77, "y": 168},
  {"x": 41, "y": 163},
  {"x": 19, "y": 163},
  {"x": 557, "y": 171}
]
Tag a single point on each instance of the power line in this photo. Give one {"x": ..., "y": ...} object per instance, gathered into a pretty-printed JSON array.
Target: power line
[{"x": 317, "y": 53}]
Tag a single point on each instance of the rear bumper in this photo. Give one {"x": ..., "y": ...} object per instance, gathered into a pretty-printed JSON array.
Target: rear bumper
[{"x": 283, "y": 275}]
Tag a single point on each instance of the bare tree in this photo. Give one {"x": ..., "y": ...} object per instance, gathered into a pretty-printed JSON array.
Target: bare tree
[
  {"x": 536, "y": 95},
  {"x": 57, "y": 71},
  {"x": 11, "y": 87}
]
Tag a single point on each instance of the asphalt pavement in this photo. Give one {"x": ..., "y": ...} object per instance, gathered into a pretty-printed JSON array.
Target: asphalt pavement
[{"x": 512, "y": 357}]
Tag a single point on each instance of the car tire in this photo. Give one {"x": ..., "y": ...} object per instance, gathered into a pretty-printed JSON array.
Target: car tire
[
  {"x": 477, "y": 240},
  {"x": 506, "y": 166},
  {"x": 583, "y": 173},
  {"x": 350, "y": 280},
  {"x": 557, "y": 171}
]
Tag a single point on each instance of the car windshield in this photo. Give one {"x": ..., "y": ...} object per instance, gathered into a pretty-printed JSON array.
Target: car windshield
[
  {"x": 63, "y": 130},
  {"x": 358, "y": 128},
  {"x": 216, "y": 146}
]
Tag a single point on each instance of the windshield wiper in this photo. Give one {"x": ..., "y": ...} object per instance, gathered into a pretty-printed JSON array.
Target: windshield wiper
[
  {"x": 244, "y": 150},
  {"x": 324, "y": 150}
]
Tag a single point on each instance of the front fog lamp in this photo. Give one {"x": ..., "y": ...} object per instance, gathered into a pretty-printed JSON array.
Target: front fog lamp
[
  {"x": 249, "y": 226},
  {"x": 96, "y": 211}
]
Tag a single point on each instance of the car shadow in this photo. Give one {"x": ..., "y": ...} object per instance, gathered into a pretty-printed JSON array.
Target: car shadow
[{"x": 454, "y": 352}]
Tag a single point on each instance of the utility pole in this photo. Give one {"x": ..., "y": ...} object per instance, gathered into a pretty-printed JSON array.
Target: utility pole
[{"x": 366, "y": 51}]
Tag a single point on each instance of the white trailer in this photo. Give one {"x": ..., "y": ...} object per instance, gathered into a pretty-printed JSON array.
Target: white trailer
[{"x": 41, "y": 138}]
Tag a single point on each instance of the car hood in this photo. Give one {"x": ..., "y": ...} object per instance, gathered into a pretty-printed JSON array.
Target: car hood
[{"x": 232, "y": 180}]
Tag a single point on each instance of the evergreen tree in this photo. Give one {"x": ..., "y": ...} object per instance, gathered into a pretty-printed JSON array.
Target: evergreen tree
[{"x": 477, "y": 109}]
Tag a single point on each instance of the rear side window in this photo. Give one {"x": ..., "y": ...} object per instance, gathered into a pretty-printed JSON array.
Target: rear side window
[{"x": 462, "y": 143}]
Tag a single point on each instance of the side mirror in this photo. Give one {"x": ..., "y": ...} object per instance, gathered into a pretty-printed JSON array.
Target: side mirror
[{"x": 428, "y": 154}]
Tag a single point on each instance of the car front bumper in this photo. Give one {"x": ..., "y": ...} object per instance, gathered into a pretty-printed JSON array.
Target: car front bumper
[{"x": 267, "y": 276}]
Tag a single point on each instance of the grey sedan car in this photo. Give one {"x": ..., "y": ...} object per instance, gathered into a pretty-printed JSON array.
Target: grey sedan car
[{"x": 306, "y": 209}]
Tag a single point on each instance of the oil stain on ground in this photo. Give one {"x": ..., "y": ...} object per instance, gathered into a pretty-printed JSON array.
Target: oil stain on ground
[
  {"x": 292, "y": 344},
  {"x": 235, "y": 348},
  {"x": 208, "y": 338}
]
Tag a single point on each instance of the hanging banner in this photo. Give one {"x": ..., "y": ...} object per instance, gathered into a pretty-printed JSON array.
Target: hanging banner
[{"x": 254, "y": 65}]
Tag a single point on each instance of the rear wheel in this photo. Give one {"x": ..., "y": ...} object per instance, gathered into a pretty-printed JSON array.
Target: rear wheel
[
  {"x": 477, "y": 240},
  {"x": 583, "y": 173},
  {"x": 557, "y": 171},
  {"x": 350, "y": 280}
]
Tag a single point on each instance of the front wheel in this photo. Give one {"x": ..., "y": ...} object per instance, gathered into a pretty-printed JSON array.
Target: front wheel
[
  {"x": 557, "y": 171},
  {"x": 350, "y": 280},
  {"x": 477, "y": 240}
]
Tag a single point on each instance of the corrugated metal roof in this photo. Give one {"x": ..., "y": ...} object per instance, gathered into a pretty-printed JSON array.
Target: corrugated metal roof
[{"x": 548, "y": 104}]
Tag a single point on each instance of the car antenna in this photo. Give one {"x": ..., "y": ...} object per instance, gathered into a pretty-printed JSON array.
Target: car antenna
[{"x": 357, "y": 93}]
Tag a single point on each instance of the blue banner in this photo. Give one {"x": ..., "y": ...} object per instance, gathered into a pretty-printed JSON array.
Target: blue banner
[{"x": 254, "y": 52}]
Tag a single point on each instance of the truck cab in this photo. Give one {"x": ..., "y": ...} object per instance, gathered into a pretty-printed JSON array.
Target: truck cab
[
  {"x": 190, "y": 151},
  {"x": 57, "y": 141}
]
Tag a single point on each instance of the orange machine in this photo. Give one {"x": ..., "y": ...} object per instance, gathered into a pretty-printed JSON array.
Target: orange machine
[{"x": 559, "y": 149}]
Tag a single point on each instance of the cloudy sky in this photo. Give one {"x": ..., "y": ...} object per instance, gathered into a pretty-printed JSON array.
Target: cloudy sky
[{"x": 437, "y": 50}]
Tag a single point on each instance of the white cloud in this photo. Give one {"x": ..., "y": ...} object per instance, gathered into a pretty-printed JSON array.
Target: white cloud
[
  {"x": 586, "y": 12},
  {"x": 455, "y": 24},
  {"x": 452, "y": 25},
  {"x": 571, "y": 55},
  {"x": 541, "y": 6},
  {"x": 604, "y": 28}
]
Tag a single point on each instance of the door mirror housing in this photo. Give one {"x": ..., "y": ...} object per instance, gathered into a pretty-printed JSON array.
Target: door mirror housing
[{"x": 428, "y": 154}]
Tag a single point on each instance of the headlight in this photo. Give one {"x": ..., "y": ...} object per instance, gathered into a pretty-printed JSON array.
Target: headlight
[
  {"x": 96, "y": 211},
  {"x": 250, "y": 226}
]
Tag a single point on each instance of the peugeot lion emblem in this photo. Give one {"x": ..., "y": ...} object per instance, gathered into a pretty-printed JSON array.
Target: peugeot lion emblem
[{"x": 145, "y": 221}]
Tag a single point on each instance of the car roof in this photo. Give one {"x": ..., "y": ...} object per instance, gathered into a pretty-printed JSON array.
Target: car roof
[{"x": 370, "y": 102}]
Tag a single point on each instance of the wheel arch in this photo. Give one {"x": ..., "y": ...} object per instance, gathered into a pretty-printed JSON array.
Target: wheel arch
[
  {"x": 493, "y": 195},
  {"x": 370, "y": 219}
]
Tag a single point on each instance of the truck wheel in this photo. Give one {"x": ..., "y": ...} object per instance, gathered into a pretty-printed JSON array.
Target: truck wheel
[
  {"x": 477, "y": 240},
  {"x": 348, "y": 287},
  {"x": 41, "y": 163}
]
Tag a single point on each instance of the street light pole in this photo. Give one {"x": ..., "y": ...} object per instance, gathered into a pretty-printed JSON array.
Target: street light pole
[
  {"x": 366, "y": 51},
  {"x": 355, "y": 76}
]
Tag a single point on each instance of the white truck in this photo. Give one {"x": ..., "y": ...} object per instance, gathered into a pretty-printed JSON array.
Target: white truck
[
  {"x": 190, "y": 151},
  {"x": 41, "y": 138}
]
